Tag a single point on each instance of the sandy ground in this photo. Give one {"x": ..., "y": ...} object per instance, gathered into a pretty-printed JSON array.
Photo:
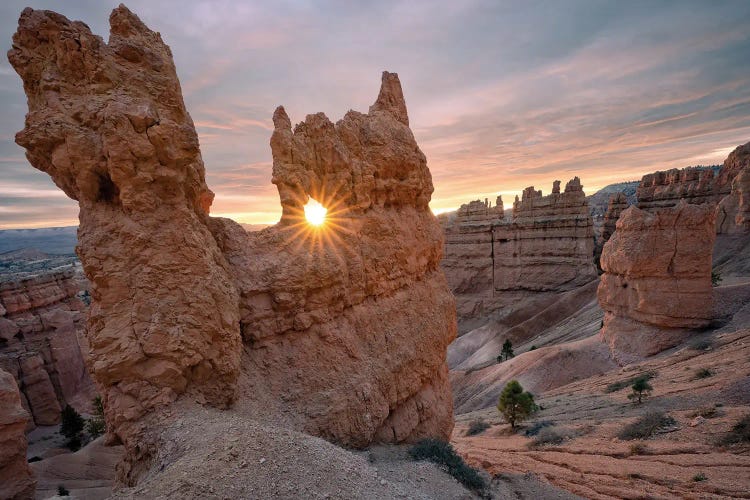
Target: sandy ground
[{"x": 594, "y": 463}]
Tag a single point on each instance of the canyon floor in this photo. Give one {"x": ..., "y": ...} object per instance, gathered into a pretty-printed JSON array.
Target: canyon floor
[{"x": 685, "y": 460}]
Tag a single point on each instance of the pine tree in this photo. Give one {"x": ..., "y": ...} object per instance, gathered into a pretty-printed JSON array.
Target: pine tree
[
  {"x": 641, "y": 389},
  {"x": 515, "y": 404}
]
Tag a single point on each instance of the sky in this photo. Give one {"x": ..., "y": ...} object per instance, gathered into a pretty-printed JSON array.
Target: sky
[{"x": 501, "y": 95}]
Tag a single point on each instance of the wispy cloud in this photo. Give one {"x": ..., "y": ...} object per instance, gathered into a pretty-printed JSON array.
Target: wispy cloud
[{"x": 500, "y": 95}]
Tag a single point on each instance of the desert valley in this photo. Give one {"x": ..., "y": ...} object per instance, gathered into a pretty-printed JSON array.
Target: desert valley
[{"x": 362, "y": 346}]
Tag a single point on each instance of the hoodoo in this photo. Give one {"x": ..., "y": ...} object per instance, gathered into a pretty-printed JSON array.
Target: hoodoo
[{"x": 339, "y": 330}]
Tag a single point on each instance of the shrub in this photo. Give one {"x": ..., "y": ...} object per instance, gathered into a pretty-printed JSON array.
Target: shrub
[
  {"x": 532, "y": 348},
  {"x": 62, "y": 491},
  {"x": 705, "y": 412},
  {"x": 537, "y": 426},
  {"x": 72, "y": 426},
  {"x": 715, "y": 278},
  {"x": 703, "y": 373},
  {"x": 638, "y": 449},
  {"x": 699, "y": 477},
  {"x": 96, "y": 425},
  {"x": 477, "y": 427},
  {"x": 548, "y": 435},
  {"x": 701, "y": 344},
  {"x": 616, "y": 386},
  {"x": 515, "y": 404},
  {"x": 740, "y": 432},
  {"x": 645, "y": 426},
  {"x": 442, "y": 453},
  {"x": 641, "y": 389}
]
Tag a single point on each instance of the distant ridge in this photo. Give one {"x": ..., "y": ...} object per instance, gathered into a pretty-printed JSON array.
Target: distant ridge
[{"x": 50, "y": 240}]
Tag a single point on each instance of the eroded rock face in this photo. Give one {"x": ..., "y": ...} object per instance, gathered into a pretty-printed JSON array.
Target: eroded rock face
[
  {"x": 657, "y": 278},
  {"x": 43, "y": 317},
  {"x": 345, "y": 327},
  {"x": 16, "y": 479},
  {"x": 351, "y": 321},
  {"x": 733, "y": 211},
  {"x": 726, "y": 190},
  {"x": 108, "y": 123},
  {"x": 617, "y": 204},
  {"x": 547, "y": 245}
]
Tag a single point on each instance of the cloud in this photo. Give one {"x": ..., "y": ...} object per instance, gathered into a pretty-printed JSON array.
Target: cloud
[{"x": 500, "y": 96}]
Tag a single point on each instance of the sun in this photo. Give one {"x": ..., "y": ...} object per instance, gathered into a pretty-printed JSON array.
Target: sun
[{"x": 315, "y": 213}]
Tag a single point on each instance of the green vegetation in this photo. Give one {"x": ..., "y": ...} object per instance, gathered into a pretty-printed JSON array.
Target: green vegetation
[
  {"x": 477, "y": 427},
  {"x": 96, "y": 425},
  {"x": 62, "y": 491},
  {"x": 71, "y": 428},
  {"x": 515, "y": 404},
  {"x": 442, "y": 453},
  {"x": 646, "y": 426},
  {"x": 532, "y": 348},
  {"x": 641, "y": 389},
  {"x": 699, "y": 477},
  {"x": 538, "y": 426},
  {"x": 548, "y": 435},
  {"x": 506, "y": 352},
  {"x": 715, "y": 278},
  {"x": 740, "y": 432},
  {"x": 638, "y": 449},
  {"x": 616, "y": 386},
  {"x": 703, "y": 373}
]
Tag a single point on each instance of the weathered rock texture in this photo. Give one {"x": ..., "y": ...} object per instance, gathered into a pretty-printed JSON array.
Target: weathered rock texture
[
  {"x": 345, "y": 327},
  {"x": 41, "y": 317},
  {"x": 726, "y": 188},
  {"x": 733, "y": 212},
  {"x": 617, "y": 204},
  {"x": 696, "y": 185},
  {"x": 549, "y": 245},
  {"x": 16, "y": 479},
  {"x": 657, "y": 278},
  {"x": 546, "y": 246}
]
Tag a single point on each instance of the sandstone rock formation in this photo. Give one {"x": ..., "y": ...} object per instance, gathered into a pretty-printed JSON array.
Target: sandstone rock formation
[
  {"x": 549, "y": 245},
  {"x": 665, "y": 189},
  {"x": 16, "y": 478},
  {"x": 733, "y": 212},
  {"x": 700, "y": 185},
  {"x": 41, "y": 318},
  {"x": 546, "y": 246},
  {"x": 617, "y": 204},
  {"x": 657, "y": 278},
  {"x": 340, "y": 331}
]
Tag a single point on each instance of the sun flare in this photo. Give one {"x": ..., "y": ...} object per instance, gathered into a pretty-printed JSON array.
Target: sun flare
[{"x": 315, "y": 213}]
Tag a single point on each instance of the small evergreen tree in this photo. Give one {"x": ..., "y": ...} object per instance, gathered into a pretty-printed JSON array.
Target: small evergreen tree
[
  {"x": 515, "y": 404},
  {"x": 507, "y": 351},
  {"x": 96, "y": 425},
  {"x": 72, "y": 426},
  {"x": 641, "y": 389}
]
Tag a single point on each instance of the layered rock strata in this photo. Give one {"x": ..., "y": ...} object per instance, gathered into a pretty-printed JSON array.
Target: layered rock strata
[
  {"x": 340, "y": 330},
  {"x": 41, "y": 317},
  {"x": 617, "y": 204},
  {"x": 733, "y": 211},
  {"x": 665, "y": 189},
  {"x": 16, "y": 479},
  {"x": 656, "y": 285},
  {"x": 725, "y": 189},
  {"x": 547, "y": 245}
]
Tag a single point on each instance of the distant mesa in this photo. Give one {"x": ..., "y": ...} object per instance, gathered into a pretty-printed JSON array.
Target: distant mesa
[{"x": 546, "y": 245}]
